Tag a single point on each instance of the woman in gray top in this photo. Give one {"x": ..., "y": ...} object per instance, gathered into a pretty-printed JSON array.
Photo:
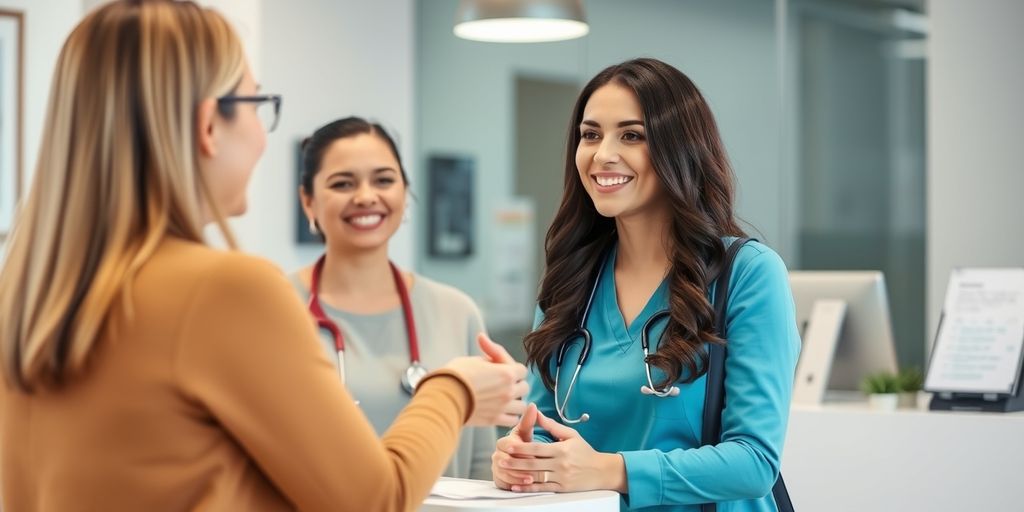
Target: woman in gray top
[{"x": 381, "y": 326}]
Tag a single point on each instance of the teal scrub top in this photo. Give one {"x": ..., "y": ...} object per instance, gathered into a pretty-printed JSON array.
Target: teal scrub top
[{"x": 659, "y": 438}]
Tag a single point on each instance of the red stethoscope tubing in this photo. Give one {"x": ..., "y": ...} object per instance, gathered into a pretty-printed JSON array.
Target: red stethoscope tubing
[{"x": 324, "y": 322}]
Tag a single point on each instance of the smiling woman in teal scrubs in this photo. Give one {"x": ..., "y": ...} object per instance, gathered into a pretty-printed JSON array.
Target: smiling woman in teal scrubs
[{"x": 645, "y": 220}]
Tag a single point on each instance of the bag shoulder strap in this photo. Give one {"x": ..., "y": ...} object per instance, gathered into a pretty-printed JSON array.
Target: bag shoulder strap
[{"x": 714, "y": 394}]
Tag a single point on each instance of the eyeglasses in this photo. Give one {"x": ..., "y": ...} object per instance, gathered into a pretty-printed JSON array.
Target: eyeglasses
[{"x": 268, "y": 107}]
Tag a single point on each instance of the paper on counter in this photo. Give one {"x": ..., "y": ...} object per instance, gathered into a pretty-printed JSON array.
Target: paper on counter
[{"x": 464, "y": 489}]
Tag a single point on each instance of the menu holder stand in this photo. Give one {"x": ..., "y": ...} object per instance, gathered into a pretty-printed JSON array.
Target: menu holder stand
[
  {"x": 984, "y": 402},
  {"x": 977, "y": 361}
]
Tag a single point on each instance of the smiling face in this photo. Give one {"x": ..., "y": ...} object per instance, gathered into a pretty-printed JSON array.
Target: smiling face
[
  {"x": 613, "y": 158},
  {"x": 358, "y": 193}
]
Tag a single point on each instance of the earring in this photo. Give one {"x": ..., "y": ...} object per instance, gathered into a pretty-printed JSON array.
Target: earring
[{"x": 313, "y": 229}]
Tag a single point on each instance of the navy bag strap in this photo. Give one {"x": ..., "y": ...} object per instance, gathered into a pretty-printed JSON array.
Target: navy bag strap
[{"x": 714, "y": 395}]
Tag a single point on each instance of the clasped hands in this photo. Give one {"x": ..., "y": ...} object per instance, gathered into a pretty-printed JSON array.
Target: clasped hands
[{"x": 567, "y": 464}]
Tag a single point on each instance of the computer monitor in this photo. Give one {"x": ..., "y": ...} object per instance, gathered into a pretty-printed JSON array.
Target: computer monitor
[{"x": 865, "y": 343}]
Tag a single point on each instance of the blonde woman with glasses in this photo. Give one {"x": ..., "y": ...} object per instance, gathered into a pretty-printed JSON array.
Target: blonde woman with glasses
[{"x": 147, "y": 371}]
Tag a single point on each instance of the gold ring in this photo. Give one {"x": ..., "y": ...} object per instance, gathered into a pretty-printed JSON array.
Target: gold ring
[{"x": 545, "y": 480}]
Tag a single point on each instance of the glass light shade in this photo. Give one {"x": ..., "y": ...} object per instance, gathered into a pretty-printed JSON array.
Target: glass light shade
[{"x": 520, "y": 21}]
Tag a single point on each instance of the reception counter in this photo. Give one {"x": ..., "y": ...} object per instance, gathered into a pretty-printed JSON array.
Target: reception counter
[{"x": 847, "y": 457}]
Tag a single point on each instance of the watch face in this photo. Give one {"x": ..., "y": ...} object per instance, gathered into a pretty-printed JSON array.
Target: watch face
[{"x": 412, "y": 377}]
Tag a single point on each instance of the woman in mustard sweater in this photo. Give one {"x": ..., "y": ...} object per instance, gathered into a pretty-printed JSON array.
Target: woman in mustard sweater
[{"x": 147, "y": 371}]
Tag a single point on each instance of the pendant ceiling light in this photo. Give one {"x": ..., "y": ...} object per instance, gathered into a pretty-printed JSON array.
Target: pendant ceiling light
[{"x": 520, "y": 21}]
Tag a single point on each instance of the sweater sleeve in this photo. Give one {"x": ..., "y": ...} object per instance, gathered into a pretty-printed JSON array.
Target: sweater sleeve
[
  {"x": 763, "y": 349},
  {"x": 249, "y": 355}
]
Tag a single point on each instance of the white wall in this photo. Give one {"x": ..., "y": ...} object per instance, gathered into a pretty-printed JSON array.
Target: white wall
[
  {"x": 465, "y": 95},
  {"x": 330, "y": 59},
  {"x": 975, "y": 128}
]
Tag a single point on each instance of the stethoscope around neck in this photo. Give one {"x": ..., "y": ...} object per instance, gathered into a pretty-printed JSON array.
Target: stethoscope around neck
[
  {"x": 412, "y": 375},
  {"x": 583, "y": 333}
]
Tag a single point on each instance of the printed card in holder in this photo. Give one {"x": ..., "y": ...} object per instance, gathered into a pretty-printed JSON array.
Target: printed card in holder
[{"x": 976, "y": 361}]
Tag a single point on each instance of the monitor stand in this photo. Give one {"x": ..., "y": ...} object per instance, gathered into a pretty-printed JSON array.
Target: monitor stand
[{"x": 820, "y": 338}]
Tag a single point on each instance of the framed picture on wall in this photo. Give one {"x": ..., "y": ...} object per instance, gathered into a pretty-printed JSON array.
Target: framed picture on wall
[
  {"x": 450, "y": 207},
  {"x": 12, "y": 38},
  {"x": 303, "y": 235}
]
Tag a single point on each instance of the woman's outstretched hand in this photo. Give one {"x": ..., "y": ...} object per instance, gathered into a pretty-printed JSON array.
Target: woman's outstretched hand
[{"x": 496, "y": 381}]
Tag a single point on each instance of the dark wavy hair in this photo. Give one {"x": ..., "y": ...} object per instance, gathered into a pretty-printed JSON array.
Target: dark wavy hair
[
  {"x": 690, "y": 161},
  {"x": 314, "y": 147}
]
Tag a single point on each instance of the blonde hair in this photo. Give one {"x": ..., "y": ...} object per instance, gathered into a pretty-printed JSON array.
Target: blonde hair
[{"x": 117, "y": 172}]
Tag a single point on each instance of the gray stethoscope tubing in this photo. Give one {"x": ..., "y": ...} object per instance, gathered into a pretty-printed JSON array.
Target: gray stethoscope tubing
[
  {"x": 581, "y": 332},
  {"x": 584, "y": 333}
]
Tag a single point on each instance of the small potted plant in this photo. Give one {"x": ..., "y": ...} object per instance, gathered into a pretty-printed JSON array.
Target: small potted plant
[
  {"x": 883, "y": 390},
  {"x": 911, "y": 381}
]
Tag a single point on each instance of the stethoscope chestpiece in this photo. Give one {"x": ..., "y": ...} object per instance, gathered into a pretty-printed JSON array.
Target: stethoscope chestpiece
[
  {"x": 412, "y": 376},
  {"x": 647, "y": 390}
]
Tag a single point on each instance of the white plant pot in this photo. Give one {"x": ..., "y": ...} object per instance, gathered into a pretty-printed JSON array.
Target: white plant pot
[{"x": 883, "y": 401}]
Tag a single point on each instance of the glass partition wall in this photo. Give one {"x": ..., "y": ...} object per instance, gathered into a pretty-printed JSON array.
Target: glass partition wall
[{"x": 857, "y": 73}]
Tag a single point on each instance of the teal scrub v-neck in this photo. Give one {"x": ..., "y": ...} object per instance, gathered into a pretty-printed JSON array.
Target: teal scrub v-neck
[
  {"x": 615, "y": 323},
  {"x": 615, "y": 369}
]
